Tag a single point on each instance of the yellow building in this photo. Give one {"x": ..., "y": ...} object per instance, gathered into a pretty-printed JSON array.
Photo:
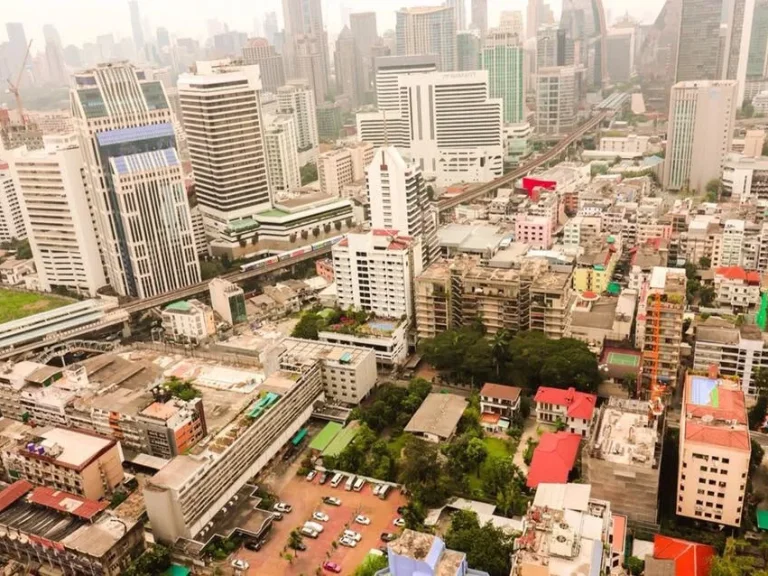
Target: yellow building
[{"x": 595, "y": 266}]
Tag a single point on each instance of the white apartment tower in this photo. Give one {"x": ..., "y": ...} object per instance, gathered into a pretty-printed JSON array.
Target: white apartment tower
[
  {"x": 11, "y": 218},
  {"x": 398, "y": 200},
  {"x": 556, "y": 100},
  {"x": 699, "y": 132},
  {"x": 120, "y": 115},
  {"x": 55, "y": 208},
  {"x": 282, "y": 155},
  {"x": 296, "y": 98},
  {"x": 224, "y": 126}
]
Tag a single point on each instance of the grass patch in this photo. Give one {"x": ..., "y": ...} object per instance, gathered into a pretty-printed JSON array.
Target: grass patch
[
  {"x": 15, "y": 305},
  {"x": 497, "y": 448},
  {"x": 395, "y": 446}
]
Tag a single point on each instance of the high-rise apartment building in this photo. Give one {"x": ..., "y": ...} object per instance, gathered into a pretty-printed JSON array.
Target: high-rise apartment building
[
  {"x": 282, "y": 154},
  {"x": 11, "y": 216},
  {"x": 260, "y": 51},
  {"x": 503, "y": 59},
  {"x": 459, "y": 13},
  {"x": 296, "y": 98},
  {"x": 699, "y": 132},
  {"x": 468, "y": 46},
  {"x": 306, "y": 46},
  {"x": 388, "y": 70},
  {"x": 55, "y": 207},
  {"x": 512, "y": 20},
  {"x": 428, "y": 30},
  {"x": 480, "y": 16},
  {"x": 348, "y": 67},
  {"x": 714, "y": 451},
  {"x": 398, "y": 199},
  {"x": 556, "y": 100},
  {"x": 134, "y": 177},
  {"x": 225, "y": 134},
  {"x": 553, "y": 47}
]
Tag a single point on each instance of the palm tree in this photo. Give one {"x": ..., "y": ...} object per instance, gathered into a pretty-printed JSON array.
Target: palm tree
[
  {"x": 500, "y": 350},
  {"x": 294, "y": 540}
]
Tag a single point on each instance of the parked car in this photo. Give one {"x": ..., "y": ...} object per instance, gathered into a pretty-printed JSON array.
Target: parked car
[
  {"x": 387, "y": 536},
  {"x": 306, "y": 531},
  {"x": 348, "y": 542},
  {"x": 240, "y": 564},
  {"x": 253, "y": 545},
  {"x": 323, "y": 478},
  {"x": 282, "y": 507},
  {"x": 322, "y": 516},
  {"x": 364, "y": 520},
  {"x": 332, "y": 500},
  {"x": 399, "y": 522},
  {"x": 356, "y": 536},
  {"x": 332, "y": 567},
  {"x": 311, "y": 475},
  {"x": 277, "y": 516}
]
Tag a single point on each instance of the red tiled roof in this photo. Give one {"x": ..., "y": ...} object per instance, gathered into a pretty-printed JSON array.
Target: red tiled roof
[
  {"x": 580, "y": 404},
  {"x": 730, "y": 406},
  {"x": 65, "y": 502},
  {"x": 691, "y": 558},
  {"x": 491, "y": 390},
  {"x": 718, "y": 435},
  {"x": 13, "y": 492},
  {"x": 489, "y": 418},
  {"x": 384, "y": 232},
  {"x": 553, "y": 458},
  {"x": 738, "y": 273}
]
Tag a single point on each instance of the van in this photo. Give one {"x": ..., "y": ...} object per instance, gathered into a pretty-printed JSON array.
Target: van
[
  {"x": 308, "y": 532},
  {"x": 359, "y": 483},
  {"x": 384, "y": 491},
  {"x": 350, "y": 482},
  {"x": 337, "y": 478},
  {"x": 313, "y": 526}
]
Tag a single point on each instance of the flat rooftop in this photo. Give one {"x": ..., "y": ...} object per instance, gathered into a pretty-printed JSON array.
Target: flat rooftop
[
  {"x": 340, "y": 354},
  {"x": 78, "y": 449},
  {"x": 438, "y": 415},
  {"x": 714, "y": 412},
  {"x": 627, "y": 433}
]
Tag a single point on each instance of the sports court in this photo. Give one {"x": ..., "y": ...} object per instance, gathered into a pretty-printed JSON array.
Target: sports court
[
  {"x": 704, "y": 392},
  {"x": 623, "y": 359}
]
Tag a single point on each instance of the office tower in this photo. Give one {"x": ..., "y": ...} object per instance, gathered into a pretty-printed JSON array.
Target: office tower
[
  {"x": 657, "y": 56},
  {"x": 699, "y": 132},
  {"x": 399, "y": 200},
  {"x": 307, "y": 44},
  {"x": 72, "y": 56},
  {"x": 55, "y": 207},
  {"x": 348, "y": 66},
  {"x": 136, "y": 27},
  {"x": 584, "y": 24},
  {"x": 758, "y": 41},
  {"x": 553, "y": 47},
  {"x": 389, "y": 69},
  {"x": 135, "y": 180},
  {"x": 480, "y": 16},
  {"x": 512, "y": 20},
  {"x": 459, "y": 13},
  {"x": 270, "y": 27},
  {"x": 227, "y": 149},
  {"x": 556, "y": 100},
  {"x": 503, "y": 59},
  {"x": 468, "y": 45},
  {"x": 54, "y": 56},
  {"x": 365, "y": 31},
  {"x": 282, "y": 155},
  {"x": 17, "y": 47},
  {"x": 427, "y": 30},
  {"x": 296, "y": 98},
  {"x": 11, "y": 217},
  {"x": 229, "y": 44},
  {"x": 538, "y": 14},
  {"x": 271, "y": 64},
  {"x": 163, "y": 38},
  {"x": 621, "y": 53}
]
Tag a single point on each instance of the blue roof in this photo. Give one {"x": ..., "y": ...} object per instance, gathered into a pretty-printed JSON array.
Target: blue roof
[
  {"x": 145, "y": 161},
  {"x": 123, "y": 135}
]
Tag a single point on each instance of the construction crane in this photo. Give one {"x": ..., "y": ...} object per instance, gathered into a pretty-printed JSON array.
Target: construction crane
[
  {"x": 657, "y": 389},
  {"x": 13, "y": 87}
]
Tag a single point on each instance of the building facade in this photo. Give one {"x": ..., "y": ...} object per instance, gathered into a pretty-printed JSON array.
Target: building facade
[
  {"x": 428, "y": 30},
  {"x": 282, "y": 155},
  {"x": 296, "y": 98},
  {"x": 189, "y": 320},
  {"x": 11, "y": 217},
  {"x": 556, "y": 100},
  {"x": 271, "y": 64},
  {"x": 503, "y": 58}
]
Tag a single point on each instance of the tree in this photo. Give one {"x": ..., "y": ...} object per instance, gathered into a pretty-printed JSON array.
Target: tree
[
  {"x": 155, "y": 560},
  {"x": 757, "y": 413},
  {"x": 706, "y": 295},
  {"x": 295, "y": 540},
  {"x": 308, "y": 326},
  {"x": 526, "y": 403},
  {"x": 308, "y": 173},
  {"x": 371, "y": 565},
  {"x": 487, "y": 548},
  {"x": 635, "y": 565},
  {"x": 422, "y": 472},
  {"x": 211, "y": 269},
  {"x": 713, "y": 188},
  {"x": 500, "y": 351},
  {"x": 705, "y": 262},
  {"x": 414, "y": 515}
]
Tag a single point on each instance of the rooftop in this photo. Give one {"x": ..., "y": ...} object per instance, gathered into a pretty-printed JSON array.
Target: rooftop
[
  {"x": 579, "y": 404},
  {"x": 438, "y": 415},
  {"x": 714, "y": 412},
  {"x": 491, "y": 390},
  {"x": 690, "y": 558},
  {"x": 553, "y": 458},
  {"x": 77, "y": 449},
  {"x": 627, "y": 433},
  {"x": 337, "y": 354}
]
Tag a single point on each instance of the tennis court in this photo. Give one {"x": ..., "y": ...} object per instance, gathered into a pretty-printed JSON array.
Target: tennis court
[
  {"x": 621, "y": 359},
  {"x": 704, "y": 391}
]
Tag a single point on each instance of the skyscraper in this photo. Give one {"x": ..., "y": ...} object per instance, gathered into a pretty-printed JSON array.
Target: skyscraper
[
  {"x": 271, "y": 64},
  {"x": 556, "y": 99},
  {"x": 138, "y": 32},
  {"x": 468, "y": 45},
  {"x": 512, "y": 20},
  {"x": 307, "y": 44},
  {"x": 54, "y": 55},
  {"x": 348, "y": 66},
  {"x": 480, "y": 16},
  {"x": 270, "y": 27},
  {"x": 134, "y": 176},
  {"x": 503, "y": 57},
  {"x": 584, "y": 25},
  {"x": 225, "y": 134},
  {"x": 427, "y": 30},
  {"x": 365, "y": 32},
  {"x": 282, "y": 156},
  {"x": 553, "y": 47},
  {"x": 538, "y": 14},
  {"x": 459, "y": 13},
  {"x": 758, "y": 42},
  {"x": 296, "y": 98},
  {"x": 17, "y": 47},
  {"x": 699, "y": 132}
]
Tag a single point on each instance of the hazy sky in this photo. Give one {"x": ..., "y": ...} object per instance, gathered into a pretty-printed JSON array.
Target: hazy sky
[{"x": 81, "y": 21}]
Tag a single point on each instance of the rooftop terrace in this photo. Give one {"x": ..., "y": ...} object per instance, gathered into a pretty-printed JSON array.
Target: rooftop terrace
[{"x": 627, "y": 433}]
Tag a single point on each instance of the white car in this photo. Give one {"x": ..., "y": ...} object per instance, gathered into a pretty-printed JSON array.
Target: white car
[
  {"x": 399, "y": 522},
  {"x": 348, "y": 542},
  {"x": 240, "y": 564},
  {"x": 282, "y": 507},
  {"x": 356, "y": 536},
  {"x": 364, "y": 520},
  {"x": 311, "y": 475},
  {"x": 322, "y": 516}
]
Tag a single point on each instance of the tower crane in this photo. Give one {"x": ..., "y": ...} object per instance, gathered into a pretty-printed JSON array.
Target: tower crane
[{"x": 13, "y": 87}]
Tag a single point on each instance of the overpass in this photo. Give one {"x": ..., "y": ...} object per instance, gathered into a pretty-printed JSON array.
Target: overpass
[{"x": 446, "y": 204}]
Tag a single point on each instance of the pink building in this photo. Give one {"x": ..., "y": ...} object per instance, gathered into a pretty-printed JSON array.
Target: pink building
[
  {"x": 536, "y": 231},
  {"x": 324, "y": 269}
]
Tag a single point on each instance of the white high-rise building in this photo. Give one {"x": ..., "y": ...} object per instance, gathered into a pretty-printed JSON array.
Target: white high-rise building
[
  {"x": 556, "y": 100},
  {"x": 223, "y": 122},
  {"x": 282, "y": 155},
  {"x": 427, "y": 30},
  {"x": 446, "y": 122},
  {"x": 459, "y": 13},
  {"x": 341, "y": 166},
  {"x": 296, "y": 98},
  {"x": 55, "y": 208},
  {"x": 699, "y": 132},
  {"x": 11, "y": 218},
  {"x": 388, "y": 70},
  {"x": 374, "y": 271},
  {"x": 398, "y": 200},
  {"x": 120, "y": 115}
]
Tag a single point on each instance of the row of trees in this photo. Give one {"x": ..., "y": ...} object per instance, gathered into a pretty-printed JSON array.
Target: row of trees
[
  {"x": 527, "y": 360},
  {"x": 155, "y": 560},
  {"x": 487, "y": 548}
]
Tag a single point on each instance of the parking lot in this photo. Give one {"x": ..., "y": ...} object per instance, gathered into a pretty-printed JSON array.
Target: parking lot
[{"x": 306, "y": 498}]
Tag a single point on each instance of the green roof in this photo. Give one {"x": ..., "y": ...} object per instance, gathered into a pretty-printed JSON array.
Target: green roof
[
  {"x": 762, "y": 519},
  {"x": 341, "y": 441},
  {"x": 242, "y": 224},
  {"x": 274, "y": 212},
  {"x": 177, "y": 570},
  {"x": 614, "y": 288},
  {"x": 180, "y": 306},
  {"x": 325, "y": 436}
]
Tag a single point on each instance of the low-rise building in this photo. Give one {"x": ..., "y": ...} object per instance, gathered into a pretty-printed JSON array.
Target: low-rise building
[
  {"x": 324, "y": 269},
  {"x": 13, "y": 271},
  {"x": 228, "y": 301},
  {"x": 630, "y": 146},
  {"x": 437, "y": 417},
  {"x": 676, "y": 557},
  {"x": 387, "y": 337},
  {"x": 715, "y": 449},
  {"x": 576, "y": 410},
  {"x": 420, "y": 554},
  {"x": 595, "y": 265},
  {"x": 595, "y": 319},
  {"x": 189, "y": 320},
  {"x": 498, "y": 405},
  {"x": 737, "y": 288},
  {"x": 553, "y": 458},
  {"x": 535, "y": 231}
]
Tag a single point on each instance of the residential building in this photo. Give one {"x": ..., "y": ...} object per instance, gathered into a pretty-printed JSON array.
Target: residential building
[
  {"x": 388, "y": 337},
  {"x": 595, "y": 265},
  {"x": 228, "y": 301},
  {"x": 595, "y": 318},
  {"x": 348, "y": 67},
  {"x": 551, "y": 301},
  {"x": 629, "y": 146},
  {"x": 553, "y": 459},
  {"x": 497, "y": 402},
  {"x": 502, "y": 56},
  {"x": 324, "y": 269},
  {"x": 536, "y": 231},
  {"x": 428, "y": 30},
  {"x": 574, "y": 409},
  {"x": 744, "y": 179},
  {"x": 622, "y": 460},
  {"x": 399, "y": 200},
  {"x": 468, "y": 50},
  {"x": 282, "y": 155},
  {"x": 90, "y": 539},
  {"x": 434, "y": 300},
  {"x": 306, "y": 45},
  {"x": 296, "y": 98},
  {"x": 230, "y": 166},
  {"x": 437, "y": 417},
  {"x": 189, "y": 320},
  {"x": 418, "y": 553},
  {"x": 55, "y": 206},
  {"x": 699, "y": 133},
  {"x": 728, "y": 247},
  {"x": 737, "y": 288},
  {"x": 11, "y": 217},
  {"x": 679, "y": 557},
  {"x": 13, "y": 271},
  {"x": 84, "y": 464},
  {"x": 341, "y": 166},
  {"x": 659, "y": 326},
  {"x": 556, "y": 100},
  {"x": 714, "y": 452},
  {"x": 134, "y": 180},
  {"x": 188, "y": 492},
  {"x": 271, "y": 64}
]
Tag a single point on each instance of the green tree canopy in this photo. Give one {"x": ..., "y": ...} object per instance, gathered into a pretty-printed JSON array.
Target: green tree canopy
[{"x": 487, "y": 548}]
